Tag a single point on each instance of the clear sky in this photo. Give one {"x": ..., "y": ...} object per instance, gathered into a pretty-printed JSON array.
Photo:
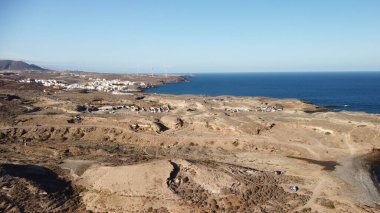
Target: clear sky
[{"x": 193, "y": 35}]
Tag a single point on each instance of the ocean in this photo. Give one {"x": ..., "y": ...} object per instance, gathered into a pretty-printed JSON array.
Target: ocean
[{"x": 351, "y": 91}]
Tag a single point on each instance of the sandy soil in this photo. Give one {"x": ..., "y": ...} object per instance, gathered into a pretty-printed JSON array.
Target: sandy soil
[{"x": 205, "y": 154}]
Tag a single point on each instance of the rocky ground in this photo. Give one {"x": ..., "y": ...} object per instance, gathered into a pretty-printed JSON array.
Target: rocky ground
[{"x": 74, "y": 152}]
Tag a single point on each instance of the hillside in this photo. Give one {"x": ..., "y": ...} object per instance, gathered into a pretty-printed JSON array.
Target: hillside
[
  {"x": 18, "y": 65},
  {"x": 71, "y": 151}
]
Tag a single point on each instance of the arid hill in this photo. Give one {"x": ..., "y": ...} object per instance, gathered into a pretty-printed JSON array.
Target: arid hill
[
  {"x": 18, "y": 65},
  {"x": 70, "y": 151}
]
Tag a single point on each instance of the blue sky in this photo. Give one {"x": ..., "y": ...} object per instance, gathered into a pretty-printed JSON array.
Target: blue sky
[{"x": 193, "y": 36}]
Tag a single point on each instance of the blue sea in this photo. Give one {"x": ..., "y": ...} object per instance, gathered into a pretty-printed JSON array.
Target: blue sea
[{"x": 351, "y": 91}]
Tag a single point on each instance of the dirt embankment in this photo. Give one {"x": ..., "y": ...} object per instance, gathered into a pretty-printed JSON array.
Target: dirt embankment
[
  {"x": 32, "y": 188},
  {"x": 198, "y": 186},
  {"x": 374, "y": 168}
]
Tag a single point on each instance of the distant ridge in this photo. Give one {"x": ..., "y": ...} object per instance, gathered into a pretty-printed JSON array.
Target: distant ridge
[{"x": 18, "y": 65}]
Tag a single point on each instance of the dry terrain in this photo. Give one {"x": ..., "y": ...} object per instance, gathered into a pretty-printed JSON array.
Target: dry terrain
[{"x": 75, "y": 151}]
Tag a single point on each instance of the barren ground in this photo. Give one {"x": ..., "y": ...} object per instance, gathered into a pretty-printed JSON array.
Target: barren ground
[{"x": 206, "y": 154}]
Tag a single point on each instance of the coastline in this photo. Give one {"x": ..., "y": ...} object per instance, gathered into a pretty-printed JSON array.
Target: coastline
[
  {"x": 329, "y": 91},
  {"x": 179, "y": 79},
  {"x": 186, "y": 79}
]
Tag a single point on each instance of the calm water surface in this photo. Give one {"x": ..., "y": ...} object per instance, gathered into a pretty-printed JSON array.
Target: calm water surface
[{"x": 352, "y": 91}]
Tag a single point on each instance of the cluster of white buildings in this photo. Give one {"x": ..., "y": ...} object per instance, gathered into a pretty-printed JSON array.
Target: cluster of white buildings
[
  {"x": 107, "y": 85},
  {"x": 134, "y": 108},
  {"x": 269, "y": 108},
  {"x": 257, "y": 109},
  {"x": 46, "y": 83},
  {"x": 237, "y": 110},
  {"x": 97, "y": 84}
]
